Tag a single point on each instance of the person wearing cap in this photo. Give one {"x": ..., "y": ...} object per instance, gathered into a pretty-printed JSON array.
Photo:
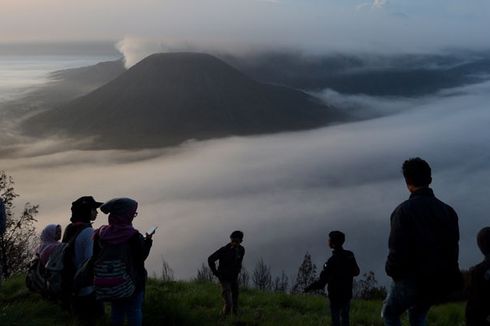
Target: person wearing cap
[
  {"x": 338, "y": 272},
  {"x": 478, "y": 305},
  {"x": 230, "y": 259},
  {"x": 120, "y": 232},
  {"x": 80, "y": 232}
]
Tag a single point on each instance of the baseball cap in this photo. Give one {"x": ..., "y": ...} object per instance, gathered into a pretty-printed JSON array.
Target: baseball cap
[{"x": 85, "y": 202}]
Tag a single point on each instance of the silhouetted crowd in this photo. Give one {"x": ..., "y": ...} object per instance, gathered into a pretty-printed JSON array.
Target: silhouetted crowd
[{"x": 88, "y": 267}]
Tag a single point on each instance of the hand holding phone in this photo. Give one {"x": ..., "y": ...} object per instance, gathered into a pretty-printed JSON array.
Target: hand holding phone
[{"x": 151, "y": 231}]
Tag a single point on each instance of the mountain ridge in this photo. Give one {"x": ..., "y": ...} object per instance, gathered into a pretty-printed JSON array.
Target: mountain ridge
[{"x": 169, "y": 98}]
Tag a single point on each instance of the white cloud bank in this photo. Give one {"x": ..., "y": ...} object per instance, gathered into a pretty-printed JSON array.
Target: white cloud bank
[{"x": 285, "y": 191}]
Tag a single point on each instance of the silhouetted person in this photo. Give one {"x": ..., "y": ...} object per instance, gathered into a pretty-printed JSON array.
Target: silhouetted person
[
  {"x": 230, "y": 259},
  {"x": 338, "y": 272},
  {"x": 121, "y": 242},
  {"x": 423, "y": 250},
  {"x": 80, "y": 231},
  {"x": 478, "y": 306},
  {"x": 49, "y": 239}
]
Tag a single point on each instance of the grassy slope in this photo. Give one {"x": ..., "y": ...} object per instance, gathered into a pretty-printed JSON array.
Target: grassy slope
[{"x": 182, "y": 303}]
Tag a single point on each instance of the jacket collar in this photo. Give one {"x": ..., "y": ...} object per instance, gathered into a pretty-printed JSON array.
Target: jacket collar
[{"x": 426, "y": 192}]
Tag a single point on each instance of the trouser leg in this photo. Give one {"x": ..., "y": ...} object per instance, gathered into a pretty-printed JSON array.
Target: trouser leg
[
  {"x": 135, "y": 309},
  {"x": 344, "y": 314},
  {"x": 417, "y": 315},
  {"x": 227, "y": 297},
  {"x": 234, "y": 295},
  {"x": 394, "y": 305},
  {"x": 335, "y": 313}
]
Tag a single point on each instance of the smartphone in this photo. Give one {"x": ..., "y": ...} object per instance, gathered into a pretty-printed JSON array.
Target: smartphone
[{"x": 152, "y": 230}]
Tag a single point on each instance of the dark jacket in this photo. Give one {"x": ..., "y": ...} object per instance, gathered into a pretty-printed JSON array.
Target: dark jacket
[
  {"x": 338, "y": 272},
  {"x": 230, "y": 262},
  {"x": 423, "y": 243},
  {"x": 139, "y": 250},
  {"x": 478, "y": 306}
]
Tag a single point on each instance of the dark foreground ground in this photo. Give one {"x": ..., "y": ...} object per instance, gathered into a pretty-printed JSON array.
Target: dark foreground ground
[{"x": 191, "y": 303}]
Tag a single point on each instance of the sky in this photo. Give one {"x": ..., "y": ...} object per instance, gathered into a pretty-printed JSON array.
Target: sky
[{"x": 315, "y": 26}]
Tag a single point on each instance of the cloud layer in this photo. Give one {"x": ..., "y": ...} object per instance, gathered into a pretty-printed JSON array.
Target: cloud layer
[{"x": 286, "y": 191}]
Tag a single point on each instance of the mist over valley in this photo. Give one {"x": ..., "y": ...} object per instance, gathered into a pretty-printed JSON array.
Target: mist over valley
[{"x": 286, "y": 188}]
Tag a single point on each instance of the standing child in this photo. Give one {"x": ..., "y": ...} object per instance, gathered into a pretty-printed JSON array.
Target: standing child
[
  {"x": 230, "y": 259},
  {"x": 338, "y": 272},
  {"x": 478, "y": 306},
  {"x": 120, "y": 252}
]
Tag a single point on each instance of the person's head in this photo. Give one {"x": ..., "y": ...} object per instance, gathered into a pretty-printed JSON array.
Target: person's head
[
  {"x": 51, "y": 233},
  {"x": 236, "y": 237},
  {"x": 417, "y": 173},
  {"x": 483, "y": 240},
  {"x": 84, "y": 209},
  {"x": 336, "y": 239},
  {"x": 121, "y": 211}
]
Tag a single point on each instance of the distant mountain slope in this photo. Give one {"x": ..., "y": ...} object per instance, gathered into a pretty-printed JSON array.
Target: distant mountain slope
[
  {"x": 62, "y": 86},
  {"x": 395, "y": 75},
  {"x": 169, "y": 98}
]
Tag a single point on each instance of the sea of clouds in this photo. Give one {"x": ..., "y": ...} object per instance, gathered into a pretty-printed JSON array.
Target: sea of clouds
[{"x": 285, "y": 191}]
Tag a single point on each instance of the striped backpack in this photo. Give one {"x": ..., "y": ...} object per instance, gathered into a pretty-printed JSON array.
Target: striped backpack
[{"x": 114, "y": 273}]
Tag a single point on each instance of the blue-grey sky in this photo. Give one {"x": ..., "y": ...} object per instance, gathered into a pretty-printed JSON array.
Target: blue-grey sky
[{"x": 308, "y": 25}]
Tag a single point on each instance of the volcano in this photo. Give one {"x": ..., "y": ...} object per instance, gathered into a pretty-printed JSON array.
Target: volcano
[{"x": 169, "y": 98}]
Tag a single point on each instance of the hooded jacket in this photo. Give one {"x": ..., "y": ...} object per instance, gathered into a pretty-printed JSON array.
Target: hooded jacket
[{"x": 120, "y": 231}]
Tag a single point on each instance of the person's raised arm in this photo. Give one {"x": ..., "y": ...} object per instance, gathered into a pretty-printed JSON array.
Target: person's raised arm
[{"x": 212, "y": 261}]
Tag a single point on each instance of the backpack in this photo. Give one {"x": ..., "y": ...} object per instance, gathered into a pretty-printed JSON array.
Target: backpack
[
  {"x": 36, "y": 277},
  {"x": 60, "y": 270},
  {"x": 114, "y": 272}
]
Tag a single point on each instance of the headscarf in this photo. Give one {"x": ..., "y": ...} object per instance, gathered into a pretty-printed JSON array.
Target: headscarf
[
  {"x": 49, "y": 242},
  {"x": 121, "y": 214}
]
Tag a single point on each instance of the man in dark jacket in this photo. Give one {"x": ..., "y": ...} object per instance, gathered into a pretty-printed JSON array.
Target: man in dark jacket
[
  {"x": 423, "y": 249},
  {"x": 230, "y": 259},
  {"x": 338, "y": 272}
]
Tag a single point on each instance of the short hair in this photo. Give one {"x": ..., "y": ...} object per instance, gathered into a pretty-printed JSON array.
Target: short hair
[
  {"x": 417, "y": 172},
  {"x": 236, "y": 235},
  {"x": 483, "y": 240},
  {"x": 337, "y": 238}
]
